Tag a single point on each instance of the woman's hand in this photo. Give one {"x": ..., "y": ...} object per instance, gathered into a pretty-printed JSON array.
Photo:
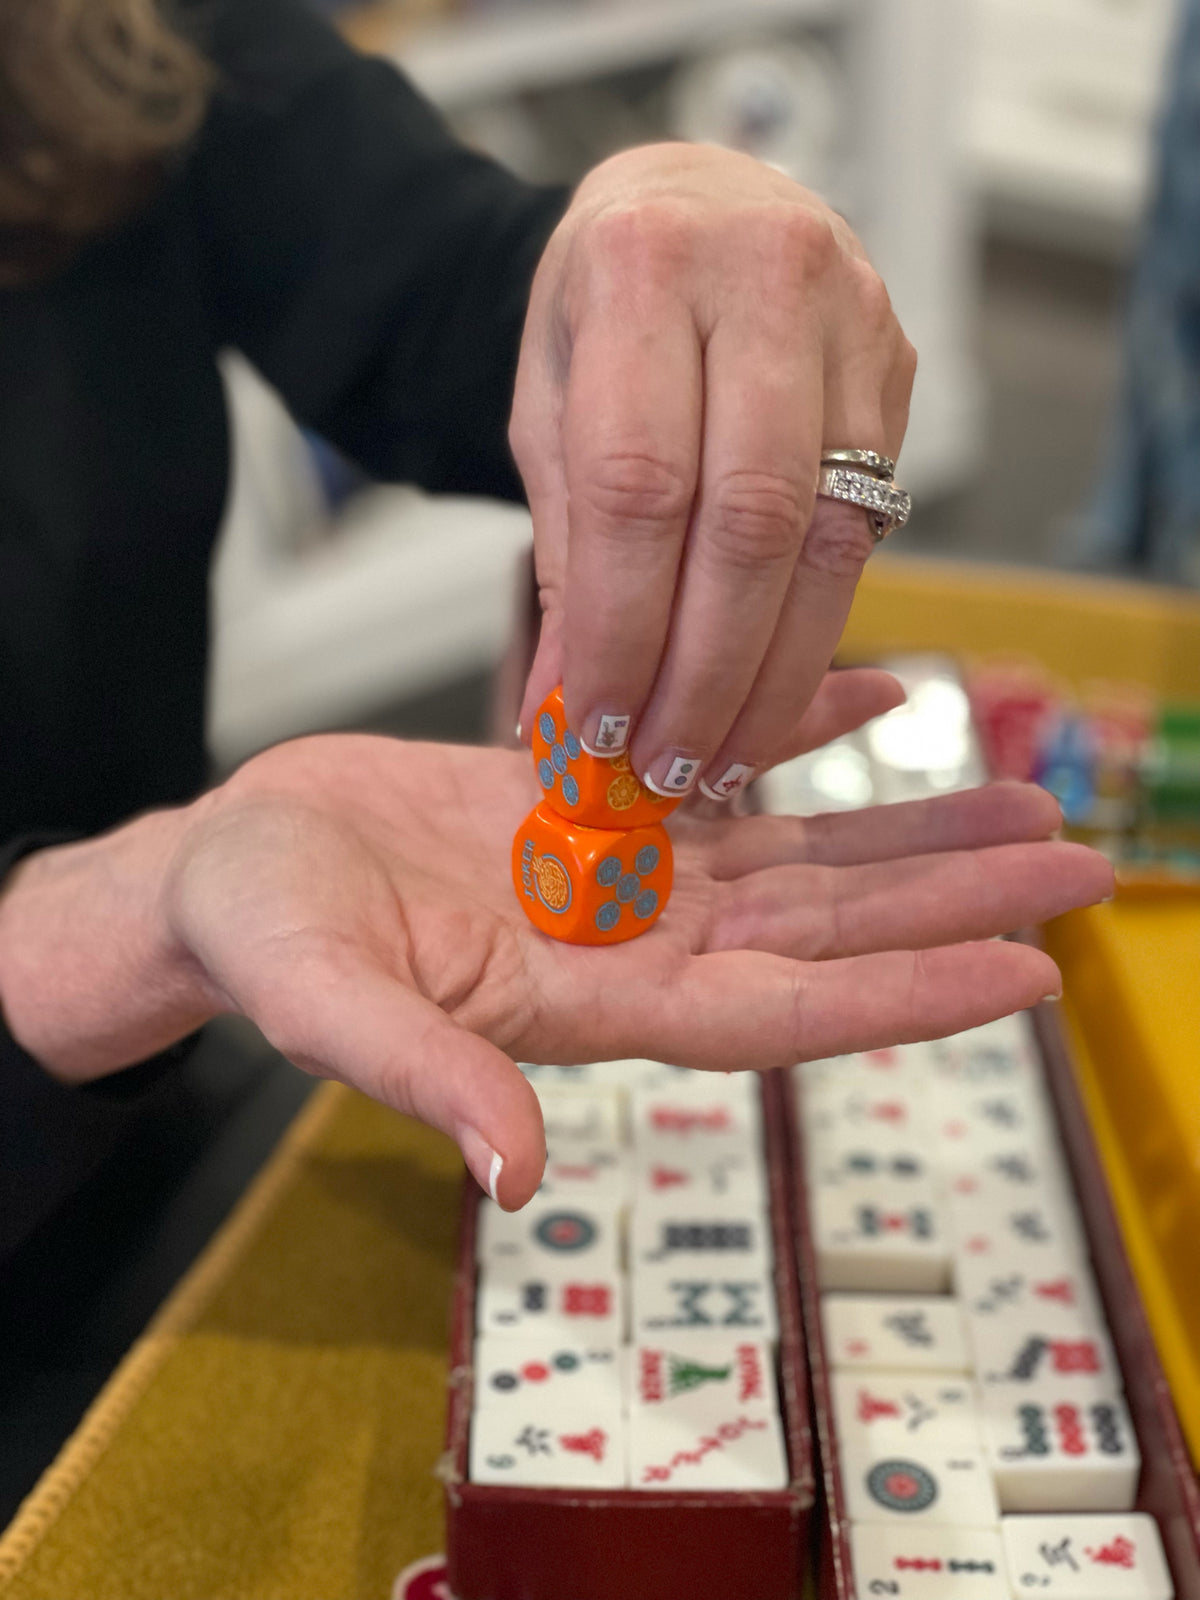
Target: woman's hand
[
  {"x": 700, "y": 330},
  {"x": 351, "y": 895}
]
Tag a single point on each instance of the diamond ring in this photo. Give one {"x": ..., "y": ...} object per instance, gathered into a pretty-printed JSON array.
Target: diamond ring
[
  {"x": 865, "y": 460},
  {"x": 887, "y": 506}
]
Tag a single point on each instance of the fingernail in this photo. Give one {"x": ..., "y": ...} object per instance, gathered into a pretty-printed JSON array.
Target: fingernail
[
  {"x": 1052, "y": 999},
  {"x": 735, "y": 778},
  {"x": 606, "y": 733},
  {"x": 484, "y": 1162},
  {"x": 676, "y": 774},
  {"x": 519, "y": 730}
]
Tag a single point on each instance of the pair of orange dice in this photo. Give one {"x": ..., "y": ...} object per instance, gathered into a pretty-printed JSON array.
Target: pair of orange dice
[{"x": 592, "y": 863}]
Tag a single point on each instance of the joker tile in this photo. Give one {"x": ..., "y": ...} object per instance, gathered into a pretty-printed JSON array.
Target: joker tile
[
  {"x": 900, "y": 1405},
  {"x": 512, "y": 1301},
  {"x": 552, "y": 1238},
  {"x": 735, "y": 1239},
  {"x": 871, "y": 1236},
  {"x": 544, "y": 1445},
  {"x": 942, "y": 1480},
  {"x": 511, "y": 1372},
  {"x": 738, "y": 1449},
  {"x": 702, "y": 1374},
  {"x": 1086, "y": 1557},
  {"x": 888, "y": 1333},
  {"x": 1064, "y": 1449},
  {"x": 927, "y": 1562},
  {"x": 668, "y": 1300},
  {"x": 1025, "y": 1352}
]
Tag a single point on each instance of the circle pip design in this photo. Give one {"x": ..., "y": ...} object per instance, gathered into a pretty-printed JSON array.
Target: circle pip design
[
  {"x": 565, "y": 1231},
  {"x": 646, "y": 859},
  {"x": 553, "y": 883},
  {"x": 608, "y": 916},
  {"x": 572, "y": 744},
  {"x": 646, "y": 904},
  {"x": 546, "y": 727},
  {"x": 558, "y": 759},
  {"x": 545, "y": 774},
  {"x": 628, "y": 888},
  {"x": 608, "y": 871},
  {"x": 902, "y": 1485},
  {"x": 570, "y": 790}
]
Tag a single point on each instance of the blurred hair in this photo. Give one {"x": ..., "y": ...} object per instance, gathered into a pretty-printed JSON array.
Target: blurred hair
[{"x": 95, "y": 95}]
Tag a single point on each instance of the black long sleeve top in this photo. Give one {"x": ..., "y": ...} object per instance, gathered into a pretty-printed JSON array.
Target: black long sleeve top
[{"x": 375, "y": 271}]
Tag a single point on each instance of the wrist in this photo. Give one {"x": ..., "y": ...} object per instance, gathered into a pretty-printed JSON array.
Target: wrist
[{"x": 93, "y": 976}]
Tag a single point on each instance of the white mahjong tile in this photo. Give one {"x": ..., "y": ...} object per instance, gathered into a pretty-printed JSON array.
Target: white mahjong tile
[
  {"x": 695, "y": 1118},
  {"x": 552, "y": 1237},
  {"x": 942, "y": 1479},
  {"x": 853, "y": 1163},
  {"x": 1000, "y": 1052},
  {"x": 591, "y": 1174},
  {"x": 1004, "y": 1285},
  {"x": 901, "y": 1066},
  {"x": 902, "y": 1405},
  {"x": 927, "y": 1562},
  {"x": 698, "y": 1374},
  {"x": 511, "y": 1371},
  {"x": 974, "y": 1121},
  {"x": 575, "y": 1120},
  {"x": 739, "y": 1448},
  {"x": 667, "y": 1300},
  {"x": 1017, "y": 1171},
  {"x": 1029, "y": 1351},
  {"x": 875, "y": 1236},
  {"x": 544, "y": 1445},
  {"x": 732, "y": 1175},
  {"x": 854, "y": 1110},
  {"x": 549, "y": 1075},
  {"x": 1042, "y": 1229},
  {"x": 515, "y": 1301},
  {"x": 731, "y": 1239},
  {"x": 1061, "y": 1449},
  {"x": 1104, "y": 1557},
  {"x": 891, "y": 1333}
]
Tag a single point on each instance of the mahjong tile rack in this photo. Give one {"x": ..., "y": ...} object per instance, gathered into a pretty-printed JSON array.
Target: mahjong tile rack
[
  {"x": 993, "y": 1421},
  {"x": 629, "y": 1400}
]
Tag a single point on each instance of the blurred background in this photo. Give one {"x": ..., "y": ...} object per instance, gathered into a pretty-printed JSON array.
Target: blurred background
[{"x": 994, "y": 155}]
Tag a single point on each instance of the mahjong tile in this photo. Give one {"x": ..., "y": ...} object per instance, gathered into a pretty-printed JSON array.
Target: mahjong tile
[
  {"x": 552, "y": 1237},
  {"x": 875, "y": 1236},
  {"x": 849, "y": 1110},
  {"x": 943, "y": 1480},
  {"x": 511, "y": 1371},
  {"x": 1004, "y": 1285},
  {"x": 889, "y": 1333},
  {"x": 735, "y": 1449},
  {"x": 854, "y": 1163},
  {"x": 575, "y": 1120},
  {"x": 695, "y": 1118},
  {"x": 702, "y": 1373},
  {"x": 1042, "y": 1230},
  {"x": 1000, "y": 1052},
  {"x": 1030, "y": 1351},
  {"x": 1011, "y": 1174},
  {"x": 734, "y": 1239},
  {"x": 668, "y": 1299},
  {"x": 1061, "y": 1449},
  {"x": 1107, "y": 1557},
  {"x": 732, "y": 1175},
  {"x": 590, "y": 1174},
  {"x": 902, "y": 1405},
  {"x": 974, "y": 1121},
  {"x": 542, "y": 1444},
  {"x": 512, "y": 1300},
  {"x": 927, "y": 1562}
]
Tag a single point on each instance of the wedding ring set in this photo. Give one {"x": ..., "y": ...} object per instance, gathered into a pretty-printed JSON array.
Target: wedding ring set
[{"x": 864, "y": 478}]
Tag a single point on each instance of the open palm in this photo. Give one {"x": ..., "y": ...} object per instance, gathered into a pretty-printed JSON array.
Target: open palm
[{"x": 351, "y": 894}]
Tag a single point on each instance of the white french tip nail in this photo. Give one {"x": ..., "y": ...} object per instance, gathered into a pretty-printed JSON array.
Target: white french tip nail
[
  {"x": 680, "y": 779},
  {"x": 711, "y": 794},
  {"x": 1051, "y": 999},
  {"x": 518, "y": 730},
  {"x": 732, "y": 781},
  {"x": 494, "y": 1171}
]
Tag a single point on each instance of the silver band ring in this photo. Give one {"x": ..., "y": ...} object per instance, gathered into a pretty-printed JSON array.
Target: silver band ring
[
  {"x": 887, "y": 506},
  {"x": 865, "y": 460}
]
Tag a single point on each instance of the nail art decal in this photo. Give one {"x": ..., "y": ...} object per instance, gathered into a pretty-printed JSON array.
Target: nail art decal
[
  {"x": 735, "y": 777},
  {"x": 612, "y": 735},
  {"x": 681, "y": 775}
]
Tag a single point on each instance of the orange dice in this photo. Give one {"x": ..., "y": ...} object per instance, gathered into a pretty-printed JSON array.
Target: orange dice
[
  {"x": 590, "y": 885},
  {"x": 599, "y": 791}
]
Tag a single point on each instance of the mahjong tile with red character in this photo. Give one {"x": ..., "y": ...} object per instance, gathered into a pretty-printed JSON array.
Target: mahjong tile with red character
[
  {"x": 882, "y": 1115},
  {"x": 732, "y": 1175},
  {"x": 592, "y": 1174},
  {"x": 695, "y": 1118},
  {"x": 1003, "y": 1285},
  {"x": 512, "y": 1300},
  {"x": 1028, "y": 1352},
  {"x": 943, "y": 1479},
  {"x": 903, "y": 1405},
  {"x": 892, "y": 1333},
  {"x": 671, "y": 1300},
  {"x": 552, "y": 1238},
  {"x": 701, "y": 1375},
  {"x": 510, "y": 1372},
  {"x": 542, "y": 1444},
  {"x": 927, "y": 1562},
  {"x": 733, "y": 1239},
  {"x": 1103, "y": 1557},
  {"x": 738, "y": 1448},
  {"x": 1070, "y": 1448},
  {"x": 876, "y": 1236}
]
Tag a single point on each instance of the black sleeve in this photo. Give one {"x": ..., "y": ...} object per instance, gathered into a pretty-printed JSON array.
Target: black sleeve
[{"x": 372, "y": 268}]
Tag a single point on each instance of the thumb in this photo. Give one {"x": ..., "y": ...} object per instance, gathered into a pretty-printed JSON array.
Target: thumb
[{"x": 364, "y": 1028}]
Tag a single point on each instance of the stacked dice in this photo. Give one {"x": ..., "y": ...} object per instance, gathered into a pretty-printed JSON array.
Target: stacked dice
[
  {"x": 592, "y": 863},
  {"x": 984, "y": 1445},
  {"x": 626, "y": 1318}
]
